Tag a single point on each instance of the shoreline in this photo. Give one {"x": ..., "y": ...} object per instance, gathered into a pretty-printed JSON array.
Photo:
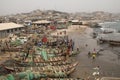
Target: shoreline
[
  {"x": 108, "y": 62},
  {"x": 109, "y": 67}
]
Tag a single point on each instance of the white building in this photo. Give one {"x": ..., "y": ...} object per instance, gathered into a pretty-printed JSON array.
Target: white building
[
  {"x": 9, "y": 28},
  {"x": 76, "y": 22}
]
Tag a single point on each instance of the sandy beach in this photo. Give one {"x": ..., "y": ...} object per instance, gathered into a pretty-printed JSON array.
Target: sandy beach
[
  {"x": 108, "y": 61},
  {"x": 71, "y": 29}
]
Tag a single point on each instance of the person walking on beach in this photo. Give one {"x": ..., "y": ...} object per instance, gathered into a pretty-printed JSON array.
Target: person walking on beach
[
  {"x": 96, "y": 72},
  {"x": 68, "y": 51},
  {"x": 78, "y": 51},
  {"x": 73, "y": 45},
  {"x": 89, "y": 53},
  {"x": 86, "y": 45},
  {"x": 93, "y": 56}
]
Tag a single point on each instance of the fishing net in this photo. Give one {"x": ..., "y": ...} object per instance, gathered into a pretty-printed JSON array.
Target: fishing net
[
  {"x": 16, "y": 43},
  {"x": 44, "y": 55},
  {"x": 10, "y": 77}
]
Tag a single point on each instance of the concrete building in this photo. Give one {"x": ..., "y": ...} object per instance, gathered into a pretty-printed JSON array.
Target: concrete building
[
  {"x": 76, "y": 22},
  {"x": 42, "y": 22},
  {"x": 9, "y": 28}
]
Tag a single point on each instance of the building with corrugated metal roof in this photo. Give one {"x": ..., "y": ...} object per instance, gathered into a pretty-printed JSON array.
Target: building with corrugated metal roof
[
  {"x": 9, "y": 28},
  {"x": 41, "y": 22}
]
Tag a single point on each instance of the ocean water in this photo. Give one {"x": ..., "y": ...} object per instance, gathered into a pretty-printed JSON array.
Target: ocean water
[
  {"x": 111, "y": 25},
  {"x": 110, "y": 54},
  {"x": 111, "y": 36}
]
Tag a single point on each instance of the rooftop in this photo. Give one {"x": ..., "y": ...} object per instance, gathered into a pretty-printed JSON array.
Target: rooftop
[
  {"x": 75, "y": 21},
  {"x": 6, "y": 26},
  {"x": 42, "y": 22}
]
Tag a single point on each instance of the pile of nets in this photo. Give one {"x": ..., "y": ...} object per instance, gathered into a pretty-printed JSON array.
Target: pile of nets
[{"x": 16, "y": 43}]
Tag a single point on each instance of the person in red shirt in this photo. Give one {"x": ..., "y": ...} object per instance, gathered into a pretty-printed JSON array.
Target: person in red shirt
[{"x": 44, "y": 40}]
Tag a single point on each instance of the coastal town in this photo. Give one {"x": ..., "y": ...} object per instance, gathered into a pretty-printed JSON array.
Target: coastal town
[
  {"x": 98, "y": 16},
  {"x": 55, "y": 45}
]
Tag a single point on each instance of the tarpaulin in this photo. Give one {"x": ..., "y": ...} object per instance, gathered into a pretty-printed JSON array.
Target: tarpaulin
[
  {"x": 44, "y": 39},
  {"x": 44, "y": 55}
]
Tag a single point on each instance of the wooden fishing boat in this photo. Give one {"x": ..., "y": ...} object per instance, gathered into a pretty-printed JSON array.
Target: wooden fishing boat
[
  {"x": 61, "y": 79},
  {"x": 44, "y": 68},
  {"x": 103, "y": 40},
  {"x": 114, "y": 43},
  {"x": 49, "y": 67},
  {"x": 32, "y": 75},
  {"x": 39, "y": 59},
  {"x": 23, "y": 64},
  {"x": 12, "y": 49}
]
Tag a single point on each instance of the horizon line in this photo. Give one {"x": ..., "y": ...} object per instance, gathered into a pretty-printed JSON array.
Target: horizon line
[{"x": 59, "y": 11}]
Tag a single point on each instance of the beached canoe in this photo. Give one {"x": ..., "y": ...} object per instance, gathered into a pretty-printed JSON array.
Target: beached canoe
[
  {"x": 44, "y": 68},
  {"x": 39, "y": 59},
  {"x": 29, "y": 75},
  {"x": 61, "y": 79},
  {"x": 24, "y": 64}
]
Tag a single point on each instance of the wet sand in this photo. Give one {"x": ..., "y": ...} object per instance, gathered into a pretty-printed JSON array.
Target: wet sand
[{"x": 108, "y": 61}]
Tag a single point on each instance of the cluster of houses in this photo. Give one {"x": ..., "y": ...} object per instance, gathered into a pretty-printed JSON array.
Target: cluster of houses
[{"x": 8, "y": 28}]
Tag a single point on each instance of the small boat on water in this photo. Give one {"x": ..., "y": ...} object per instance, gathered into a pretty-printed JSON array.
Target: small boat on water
[
  {"x": 107, "y": 30},
  {"x": 114, "y": 43},
  {"x": 112, "y": 39}
]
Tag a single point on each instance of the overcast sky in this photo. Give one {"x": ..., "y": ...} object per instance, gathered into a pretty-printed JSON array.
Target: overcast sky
[{"x": 18, "y": 6}]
